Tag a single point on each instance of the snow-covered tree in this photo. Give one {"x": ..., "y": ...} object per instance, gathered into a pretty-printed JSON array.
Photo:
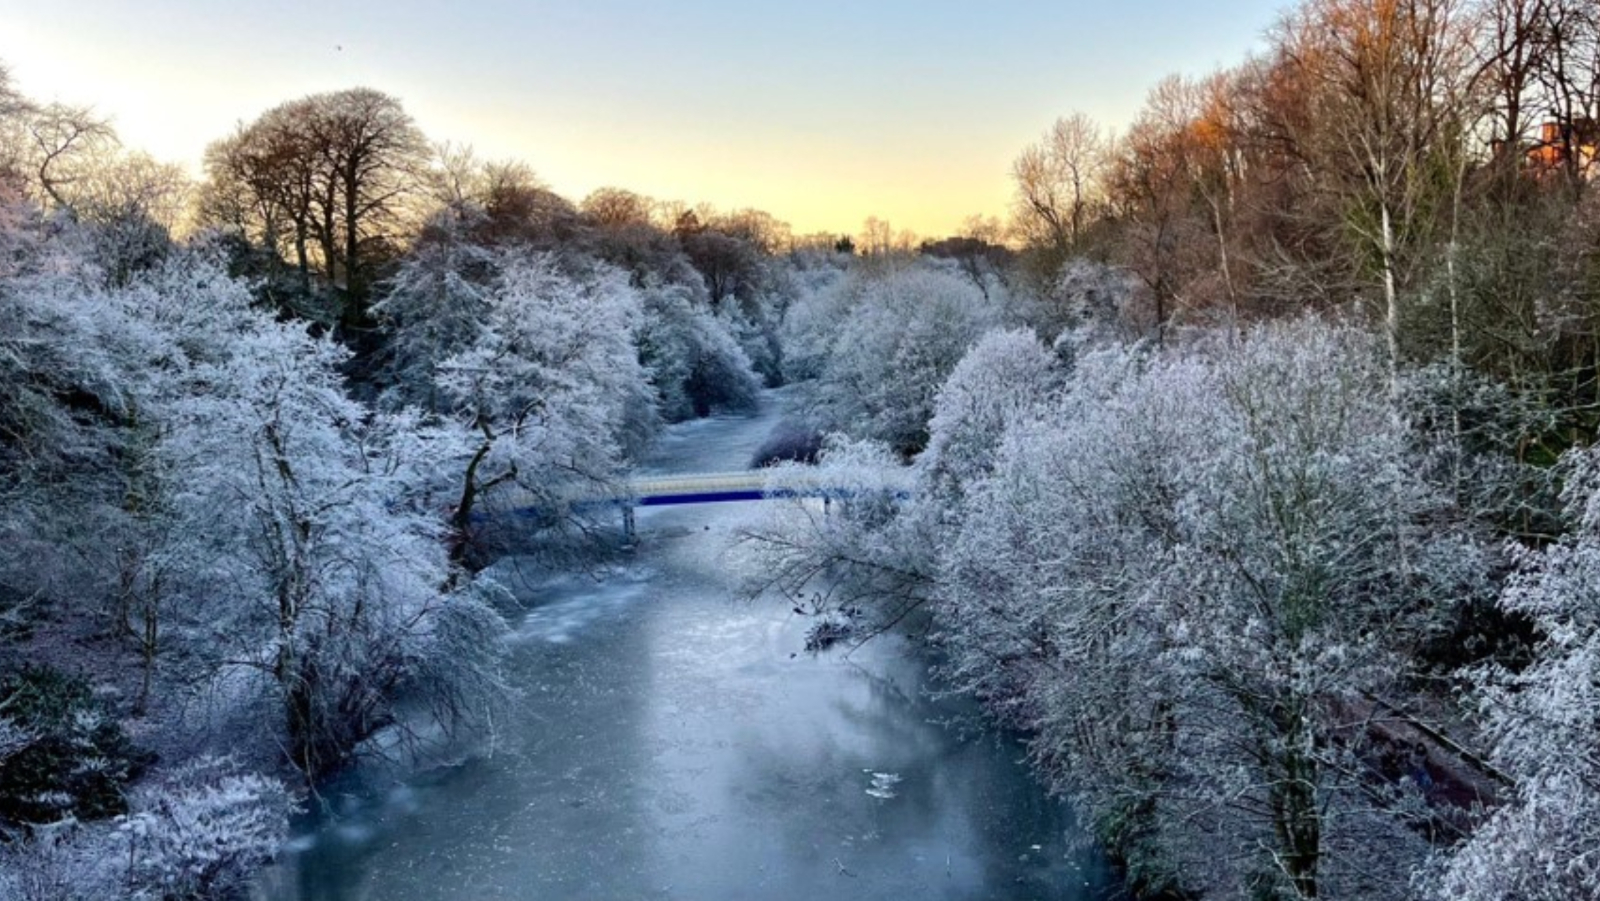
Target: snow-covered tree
[
  {"x": 436, "y": 302},
  {"x": 1044, "y": 606},
  {"x": 249, "y": 493},
  {"x": 550, "y": 395},
  {"x": 1005, "y": 377},
  {"x": 292, "y": 500},
  {"x": 1544, "y": 841},
  {"x": 695, "y": 364},
  {"x": 882, "y": 343},
  {"x": 195, "y": 472},
  {"x": 1184, "y": 577},
  {"x": 61, "y": 401}
]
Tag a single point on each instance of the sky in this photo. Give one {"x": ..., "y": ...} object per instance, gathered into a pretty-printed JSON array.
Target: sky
[{"x": 821, "y": 113}]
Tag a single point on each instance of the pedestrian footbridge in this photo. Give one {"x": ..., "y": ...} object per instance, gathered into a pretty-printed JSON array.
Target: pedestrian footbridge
[
  {"x": 699, "y": 488},
  {"x": 695, "y": 488}
]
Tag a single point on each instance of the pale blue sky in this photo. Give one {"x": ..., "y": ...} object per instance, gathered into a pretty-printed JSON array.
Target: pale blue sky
[{"x": 821, "y": 113}]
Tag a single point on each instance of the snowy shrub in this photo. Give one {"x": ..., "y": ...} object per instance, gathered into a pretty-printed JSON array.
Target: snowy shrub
[
  {"x": 66, "y": 861},
  {"x": 198, "y": 832},
  {"x": 695, "y": 363},
  {"x": 882, "y": 344},
  {"x": 1485, "y": 442},
  {"x": 61, "y": 398},
  {"x": 202, "y": 831},
  {"x": 1544, "y": 842}
]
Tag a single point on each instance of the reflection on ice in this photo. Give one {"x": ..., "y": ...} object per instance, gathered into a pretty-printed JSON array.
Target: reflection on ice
[
  {"x": 883, "y": 785},
  {"x": 561, "y": 622}
]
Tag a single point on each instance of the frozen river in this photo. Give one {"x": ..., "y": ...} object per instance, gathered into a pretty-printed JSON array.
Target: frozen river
[{"x": 674, "y": 743}]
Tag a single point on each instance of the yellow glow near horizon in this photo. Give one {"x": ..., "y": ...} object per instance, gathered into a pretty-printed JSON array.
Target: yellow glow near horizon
[{"x": 822, "y": 117}]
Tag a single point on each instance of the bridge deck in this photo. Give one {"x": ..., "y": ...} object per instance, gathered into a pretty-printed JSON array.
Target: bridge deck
[
  {"x": 701, "y": 488},
  {"x": 691, "y": 488}
]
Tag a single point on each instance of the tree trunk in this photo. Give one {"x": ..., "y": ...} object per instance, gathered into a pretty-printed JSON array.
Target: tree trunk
[
  {"x": 355, "y": 290},
  {"x": 1391, "y": 297},
  {"x": 1296, "y": 817}
]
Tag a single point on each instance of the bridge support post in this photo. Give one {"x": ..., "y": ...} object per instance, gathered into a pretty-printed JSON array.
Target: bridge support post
[{"x": 630, "y": 531}]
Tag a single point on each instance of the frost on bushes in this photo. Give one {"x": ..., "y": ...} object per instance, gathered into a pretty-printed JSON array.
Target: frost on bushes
[
  {"x": 880, "y": 344},
  {"x": 1485, "y": 441},
  {"x": 840, "y": 542},
  {"x": 466, "y": 320},
  {"x": 811, "y": 321},
  {"x": 1043, "y": 598},
  {"x": 67, "y": 861},
  {"x": 1544, "y": 842},
  {"x": 202, "y": 831},
  {"x": 1179, "y": 575},
  {"x": 695, "y": 363}
]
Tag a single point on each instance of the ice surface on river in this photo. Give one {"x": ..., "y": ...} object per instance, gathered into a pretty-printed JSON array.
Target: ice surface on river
[{"x": 673, "y": 743}]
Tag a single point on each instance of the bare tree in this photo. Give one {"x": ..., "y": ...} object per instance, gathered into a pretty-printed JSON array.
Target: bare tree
[
  {"x": 617, "y": 208},
  {"x": 1571, "y": 80},
  {"x": 1387, "y": 82},
  {"x": 1513, "y": 53},
  {"x": 1058, "y": 183},
  {"x": 59, "y": 142},
  {"x": 1152, "y": 184},
  {"x": 330, "y": 176},
  {"x": 13, "y": 106}
]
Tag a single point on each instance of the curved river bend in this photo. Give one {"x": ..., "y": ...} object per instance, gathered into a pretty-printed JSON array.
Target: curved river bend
[{"x": 672, "y": 743}]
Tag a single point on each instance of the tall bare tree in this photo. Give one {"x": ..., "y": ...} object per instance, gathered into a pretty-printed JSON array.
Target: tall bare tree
[
  {"x": 58, "y": 147},
  {"x": 1153, "y": 186},
  {"x": 1387, "y": 83},
  {"x": 328, "y": 178},
  {"x": 1058, "y": 183}
]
